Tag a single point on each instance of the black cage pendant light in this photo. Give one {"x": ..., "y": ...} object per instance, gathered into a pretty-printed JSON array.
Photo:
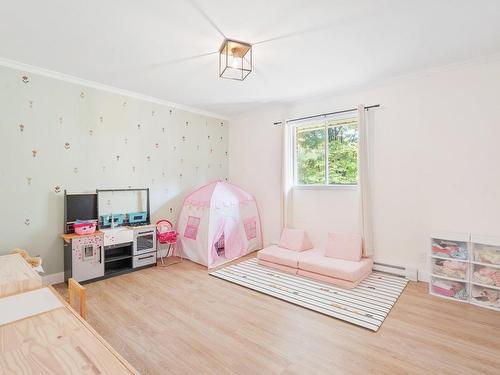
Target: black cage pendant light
[{"x": 235, "y": 60}]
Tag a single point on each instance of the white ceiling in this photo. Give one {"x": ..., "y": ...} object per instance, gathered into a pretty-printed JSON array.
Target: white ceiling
[{"x": 302, "y": 48}]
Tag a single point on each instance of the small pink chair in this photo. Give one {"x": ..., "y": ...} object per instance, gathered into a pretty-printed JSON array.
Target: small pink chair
[{"x": 165, "y": 235}]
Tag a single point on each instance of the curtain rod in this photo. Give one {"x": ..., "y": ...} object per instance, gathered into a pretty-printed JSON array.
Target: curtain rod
[{"x": 326, "y": 114}]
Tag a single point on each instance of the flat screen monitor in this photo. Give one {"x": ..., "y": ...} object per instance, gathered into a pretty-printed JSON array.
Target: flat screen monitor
[{"x": 81, "y": 207}]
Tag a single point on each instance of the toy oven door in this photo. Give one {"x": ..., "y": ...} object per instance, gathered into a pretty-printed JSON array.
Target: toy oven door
[
  {"x": 144, "y": 241},
  {"x": 87, "y": 261}
]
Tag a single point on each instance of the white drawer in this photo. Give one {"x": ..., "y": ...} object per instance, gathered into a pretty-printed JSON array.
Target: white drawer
[
  {"x": 453, "y": 249},
  {"x": 449, "y": 268},
  {"x": 144, "y": 260},
  {"x": 485, "y": 296},
  {"x": 486, "y": 275},
  {"x": 456, "y": 290},
  {"x": 117, "y": 236},
  {"x": 486, "y": 252}
]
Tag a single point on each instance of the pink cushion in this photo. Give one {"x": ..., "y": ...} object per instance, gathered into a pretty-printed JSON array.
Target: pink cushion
[
  {"x": 280, "y": 267},
  {"x": 333, "y": 280},
  {"x": 314, "y": 261},
  {"x": 278, "y": 255},
  {"x": 346, "y": 246},
  {"x": 295, "y": 239}
]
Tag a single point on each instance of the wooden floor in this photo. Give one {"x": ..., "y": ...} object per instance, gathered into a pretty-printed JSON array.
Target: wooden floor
[{"x": 180, "y": 320}]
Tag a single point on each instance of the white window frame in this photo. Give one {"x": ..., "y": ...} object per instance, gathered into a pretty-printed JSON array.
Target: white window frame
[{"x": 326, "y": 185}]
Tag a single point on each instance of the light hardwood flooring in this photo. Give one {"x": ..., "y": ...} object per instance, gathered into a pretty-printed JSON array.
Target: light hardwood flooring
[{"x": 180, "y": 320}]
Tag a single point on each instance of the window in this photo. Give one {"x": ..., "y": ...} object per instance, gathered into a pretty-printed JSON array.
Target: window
[
  {"x": 192, "y": 225},
  {"x": 326, "y": 151},
  {"x": 250, "y": 228}
]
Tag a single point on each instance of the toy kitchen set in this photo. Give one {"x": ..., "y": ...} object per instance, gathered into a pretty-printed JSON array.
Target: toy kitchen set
[{"x": 107, "y": 233}]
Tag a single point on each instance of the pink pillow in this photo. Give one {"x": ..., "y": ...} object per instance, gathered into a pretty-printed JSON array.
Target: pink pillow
[
  {"x": 347, "y": 246},
  {"x": 295, "y": 239}
]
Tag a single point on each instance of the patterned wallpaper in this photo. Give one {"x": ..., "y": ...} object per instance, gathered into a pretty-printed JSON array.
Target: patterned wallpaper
[{"x": 56, "y": 135}]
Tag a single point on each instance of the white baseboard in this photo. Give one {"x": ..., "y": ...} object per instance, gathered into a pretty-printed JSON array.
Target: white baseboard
[
  {"x": 53, "y": 278},
  {"x": 408, "y": 272},
  {"x": 424, "y": 276}
]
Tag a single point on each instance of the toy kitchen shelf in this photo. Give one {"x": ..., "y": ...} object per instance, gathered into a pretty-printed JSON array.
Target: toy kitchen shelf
[{"x": 124, "y": 242}]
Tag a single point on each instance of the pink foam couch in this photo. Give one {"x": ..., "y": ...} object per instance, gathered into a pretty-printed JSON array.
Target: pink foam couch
[{"x": 341, "y": 263}]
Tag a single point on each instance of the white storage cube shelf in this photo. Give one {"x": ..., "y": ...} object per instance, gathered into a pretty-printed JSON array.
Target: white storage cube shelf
[
  {"x": 450, "y": 266},
  {"x": 485, "y": 272},
  {"x": 466, "y": 268}
]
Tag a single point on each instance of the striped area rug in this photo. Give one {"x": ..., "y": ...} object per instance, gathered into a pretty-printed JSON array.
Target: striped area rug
[{"x": 367, "y": 305}]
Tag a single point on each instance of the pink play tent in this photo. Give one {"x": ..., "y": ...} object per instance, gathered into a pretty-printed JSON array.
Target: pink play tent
[{"x": 218, "y": 222}]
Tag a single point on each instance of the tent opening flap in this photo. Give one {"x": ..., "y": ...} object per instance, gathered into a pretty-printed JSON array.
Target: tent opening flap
[{"x": 219, "y": 246}]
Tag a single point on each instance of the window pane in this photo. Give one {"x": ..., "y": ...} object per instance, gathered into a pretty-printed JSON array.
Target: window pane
[
  {"x": 310, "y": 155},
  {"x": 343, "y": 152}
]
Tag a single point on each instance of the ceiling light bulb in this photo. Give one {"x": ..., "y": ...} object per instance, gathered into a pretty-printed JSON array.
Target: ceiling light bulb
[{"x": 234, "y": 63}]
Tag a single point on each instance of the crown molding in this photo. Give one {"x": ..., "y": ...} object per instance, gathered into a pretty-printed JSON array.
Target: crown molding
[
  {"x": 100, "y": 86},
  {"x": 390, "y": 80}
]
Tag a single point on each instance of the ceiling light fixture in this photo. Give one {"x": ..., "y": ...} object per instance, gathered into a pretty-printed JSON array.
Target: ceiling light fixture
[{"x": 235, "y": 60}]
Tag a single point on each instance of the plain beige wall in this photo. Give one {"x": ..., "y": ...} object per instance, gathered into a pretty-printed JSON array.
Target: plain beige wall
[
  {"x": 255, "y": 165},
  {"x": 435, "y": 154}
]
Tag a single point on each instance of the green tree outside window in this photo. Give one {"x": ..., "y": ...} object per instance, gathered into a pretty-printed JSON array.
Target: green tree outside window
[{"x": 327, "y": 153}]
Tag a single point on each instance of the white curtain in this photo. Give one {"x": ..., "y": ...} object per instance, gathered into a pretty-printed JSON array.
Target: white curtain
[
  {"x": 366, "y": 222},
  {"x": 286, "y": 175}
]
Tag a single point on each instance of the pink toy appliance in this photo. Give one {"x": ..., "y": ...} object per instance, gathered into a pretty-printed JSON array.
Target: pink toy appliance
[{"x": 84, "y": 227}]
